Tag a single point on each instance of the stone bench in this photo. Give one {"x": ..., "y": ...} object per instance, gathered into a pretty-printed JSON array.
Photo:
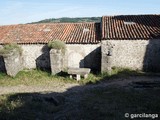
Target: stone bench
[{"x": 79, "y": 72}]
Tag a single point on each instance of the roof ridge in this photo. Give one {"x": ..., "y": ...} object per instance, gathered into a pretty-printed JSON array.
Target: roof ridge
[
  {"x": 51, "y": 24},
  {"x": 131, "y": 15}
]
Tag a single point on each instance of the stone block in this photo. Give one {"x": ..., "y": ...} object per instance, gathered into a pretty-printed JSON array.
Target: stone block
[
  {"x": 56, "y": 59},
  {"x": 79, "y": 72},
  {"x": 13, "y": 63}
]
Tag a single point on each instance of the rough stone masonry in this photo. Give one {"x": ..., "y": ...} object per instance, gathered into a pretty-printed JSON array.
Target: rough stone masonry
[{"x": 135, "y": 54}]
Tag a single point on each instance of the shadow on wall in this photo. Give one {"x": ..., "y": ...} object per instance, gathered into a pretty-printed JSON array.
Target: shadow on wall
[
  {"x": 43, "y": 61},
  {"x": 2, "y": 65},
  {"x": 92, "y": 60},
  {"x": 151, "y": 61}
]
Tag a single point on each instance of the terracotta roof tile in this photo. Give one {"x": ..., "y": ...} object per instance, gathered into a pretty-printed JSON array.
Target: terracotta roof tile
[
  {"x": 131, "y": 27},
  {"x": 113, "y": 27},
  {"x": 42, "y": 33}
]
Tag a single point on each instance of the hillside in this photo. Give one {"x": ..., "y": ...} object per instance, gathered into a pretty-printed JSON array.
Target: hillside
[{"x": 70, "y": 20}]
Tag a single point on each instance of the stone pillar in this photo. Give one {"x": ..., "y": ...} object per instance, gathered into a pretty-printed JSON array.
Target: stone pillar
[
  {"x": 107, "y": 55},
  {"x": 106, "y": 63},
  {"x": 13, "y": 63},
  {"x": 56, "y": 59}
]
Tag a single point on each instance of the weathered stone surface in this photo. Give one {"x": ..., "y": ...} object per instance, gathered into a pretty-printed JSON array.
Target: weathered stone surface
[
  {"x": 13, "y": 63},
  {"x": 84, "y": 56},
  {"x": 79, "y": 71},
  {"x": 77, "y": 55},
  {"x": 107, "y": 56},
  {"x": 134, "y": 54},
  {"x": 56, "y": 58},
  {"x": 36, "y": 56}
]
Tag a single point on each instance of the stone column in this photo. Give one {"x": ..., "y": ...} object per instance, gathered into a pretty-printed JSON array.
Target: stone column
[
  {"x": 56, "y": 59},
  {"x": 107, "y": 55},
  {"x": 13, "y": 63}
]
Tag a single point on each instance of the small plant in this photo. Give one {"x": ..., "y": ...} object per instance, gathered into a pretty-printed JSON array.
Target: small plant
[
  {"x": 57, "y": 44},
  {"x": 8, "y": 48}
]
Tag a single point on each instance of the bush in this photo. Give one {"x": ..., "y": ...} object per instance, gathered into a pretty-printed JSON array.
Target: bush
[
  {"x": 57, "y": 44},
  {"x": 8, "y": 48}
]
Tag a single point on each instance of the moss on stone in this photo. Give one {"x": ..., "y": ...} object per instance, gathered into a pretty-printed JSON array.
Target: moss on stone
[
  {"x": 57, "y": 44},
  {"x": 9, "y": 48}
]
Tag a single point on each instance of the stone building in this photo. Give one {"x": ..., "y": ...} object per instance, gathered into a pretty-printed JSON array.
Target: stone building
[
  {"x": 82, "y": 41},
  {"x": 129, "y": 41}
]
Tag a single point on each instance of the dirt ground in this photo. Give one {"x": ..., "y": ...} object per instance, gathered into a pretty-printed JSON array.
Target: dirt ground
[
  {"x": 108, "y": 99},
  {"x": 134, "y": 81}
]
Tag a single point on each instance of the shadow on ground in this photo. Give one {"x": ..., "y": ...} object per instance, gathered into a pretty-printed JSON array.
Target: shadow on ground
[{"x": 82, "y": 103}]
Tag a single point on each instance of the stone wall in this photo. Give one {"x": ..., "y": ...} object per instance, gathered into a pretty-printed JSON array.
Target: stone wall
[
  {"x": 77, "y": 55},
  {"x": 134, "y": 54},
  {"x": 88, "y": 56},
  {"x": 36, "y": 56}
]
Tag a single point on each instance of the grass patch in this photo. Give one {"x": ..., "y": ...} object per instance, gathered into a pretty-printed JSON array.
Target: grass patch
[
  {"x": 122, "y": 72},
  {"x": 33, "y": 77},
  {"x": 115, "y": 73},
  {"x": 38, "y": 77},
  {"x": 92, "y": 79},
  {"x": 118, "y": 72}
]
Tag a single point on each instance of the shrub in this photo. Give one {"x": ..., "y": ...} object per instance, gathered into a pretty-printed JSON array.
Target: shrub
[
  {"x": 8, "y": 48},
  {"x": 57, "y": 44}
]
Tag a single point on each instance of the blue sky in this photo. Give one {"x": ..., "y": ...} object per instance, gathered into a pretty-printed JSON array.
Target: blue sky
[{"x": 25, "y": 11}]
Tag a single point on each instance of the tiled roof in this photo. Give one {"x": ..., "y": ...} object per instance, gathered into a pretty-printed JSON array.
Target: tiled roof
[
  {"x": 131, "y": 27},
  {"x": 113, "y": 27},
  {"x": 74, "y": 33}
]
